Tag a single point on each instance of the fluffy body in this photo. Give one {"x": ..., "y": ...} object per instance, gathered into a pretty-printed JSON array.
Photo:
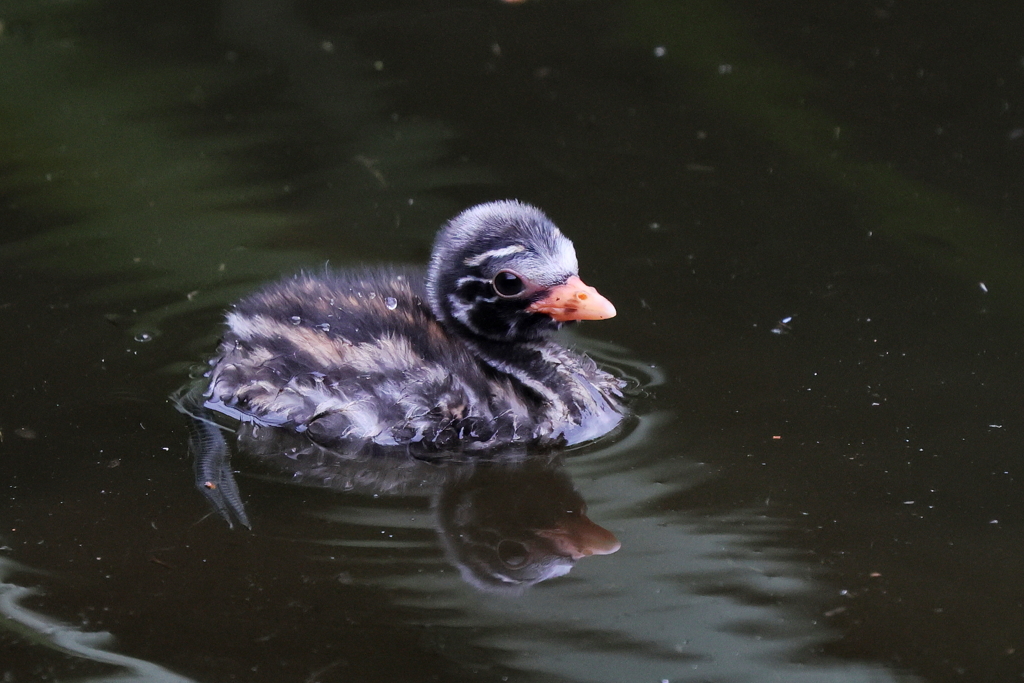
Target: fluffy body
[{"x": 359, "y": 357}]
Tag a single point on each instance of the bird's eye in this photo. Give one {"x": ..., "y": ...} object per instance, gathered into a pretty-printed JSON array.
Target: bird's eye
[
  {"x": 508, "y": 284},
  {"x": 512, "y": 554}
]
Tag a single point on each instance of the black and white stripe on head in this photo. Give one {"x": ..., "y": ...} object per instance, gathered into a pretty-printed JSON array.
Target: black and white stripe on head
[
  {"x": 480, "y": 259},
  {"x": 479, "y": 243}
]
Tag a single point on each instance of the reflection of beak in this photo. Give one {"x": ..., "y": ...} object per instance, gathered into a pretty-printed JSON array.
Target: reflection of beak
[
  {"x": 573, "y": 300},
  {"x": 578, "y": 537}
]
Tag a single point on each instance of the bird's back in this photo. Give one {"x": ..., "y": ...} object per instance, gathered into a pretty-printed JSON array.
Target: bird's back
[{"x": 358, "y": 358}]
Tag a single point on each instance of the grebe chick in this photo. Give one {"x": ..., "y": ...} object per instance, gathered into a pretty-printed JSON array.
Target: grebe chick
[{"x": 461, "y": 359}]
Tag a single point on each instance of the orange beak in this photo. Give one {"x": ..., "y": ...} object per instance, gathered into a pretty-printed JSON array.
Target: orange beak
[
  {"x": 573, "y": 300},
  {"x": 578, "y": 537}
]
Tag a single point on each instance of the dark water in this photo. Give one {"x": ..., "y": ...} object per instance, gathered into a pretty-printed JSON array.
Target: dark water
[{"x": 808, "y": 215}]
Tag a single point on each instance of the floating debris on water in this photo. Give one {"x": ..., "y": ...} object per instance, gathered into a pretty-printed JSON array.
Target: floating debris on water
[
  {"x": 391, "y": 302},
  {"x": 783, "y": 325},
  {"x": 25, "y": 433}
]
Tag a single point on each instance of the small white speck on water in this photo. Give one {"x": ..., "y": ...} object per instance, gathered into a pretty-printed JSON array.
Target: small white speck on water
[
  {"x": 782, "y": 327},
  {"x": 371, "y": 295},
  {"x": 296, "y": 320},
  {"x": 144, "y": 337},
  {"x": 983, "y": 287},
  {"x": 391, "y": 302},
  {"x": 326, "y": 327}
]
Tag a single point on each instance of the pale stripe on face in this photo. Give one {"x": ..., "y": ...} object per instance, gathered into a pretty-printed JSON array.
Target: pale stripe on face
[{"x": 479, "y": 259}]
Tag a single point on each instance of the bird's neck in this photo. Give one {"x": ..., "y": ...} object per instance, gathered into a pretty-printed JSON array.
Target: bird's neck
[
  {"x": 574, "y": 399},
  {"x": 536, "y": 365}
]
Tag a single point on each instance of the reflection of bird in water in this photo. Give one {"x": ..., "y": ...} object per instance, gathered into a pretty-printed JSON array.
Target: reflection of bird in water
[
  {"x": 459, "y": 361},
  {"x": 508, "y": 526},
  {"x": 506, "y": 523}
]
